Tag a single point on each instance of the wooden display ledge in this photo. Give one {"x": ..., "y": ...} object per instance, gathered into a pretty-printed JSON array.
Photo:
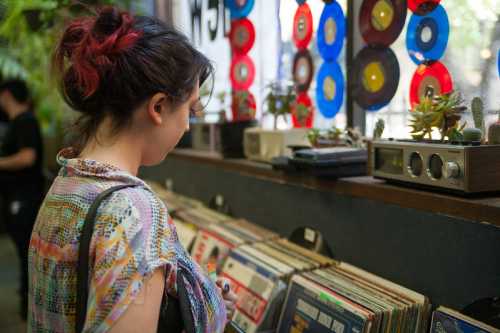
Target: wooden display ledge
[{"x": 482, "y": 209}]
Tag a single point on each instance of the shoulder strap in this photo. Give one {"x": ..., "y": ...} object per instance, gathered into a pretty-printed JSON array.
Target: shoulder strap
[{"x": 82, "y": 288}]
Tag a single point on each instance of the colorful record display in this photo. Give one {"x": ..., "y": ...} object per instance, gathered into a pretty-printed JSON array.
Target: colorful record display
[
  {"x": 242, "y": 72},
  {"x": 331, "y": 31},
  {"x": 302, "y": 26},
  {"x": 434, "y": 75},
  {"x": 239, "y": 8},
  {"x": 376, "y": 75},
  {"x": 242, "y": 35},
  {"x": 329, "y": 89},
  {"x": 303, "y": 70},
  {"x": 303, "y": 117},
  {"x": 381, "y": 21},
  {"x": 427, "y": 35},
  {"x": 422, "y": 7}
]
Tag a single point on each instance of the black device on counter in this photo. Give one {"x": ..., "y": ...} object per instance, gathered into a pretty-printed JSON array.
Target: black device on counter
[{"x": 332, "y": 162}]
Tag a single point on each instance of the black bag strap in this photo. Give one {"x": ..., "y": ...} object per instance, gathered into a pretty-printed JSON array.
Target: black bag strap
[{"x": 82, "y": 280}]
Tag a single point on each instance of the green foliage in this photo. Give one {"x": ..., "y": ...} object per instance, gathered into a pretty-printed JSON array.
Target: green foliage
[
  {"x": 379, "y": 129},
  {"x": 29, "y": 31},
  {"x": 302, "y": 112},
  {"x": 477, "y": 108},
  {"x": 280, "y": 100},
  {"x": 442, "y": 112}
]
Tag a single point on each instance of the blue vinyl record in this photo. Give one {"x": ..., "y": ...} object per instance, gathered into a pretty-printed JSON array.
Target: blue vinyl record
[
  {"x": 331, "y": 31},
  {"x": 427, "y": 35},
  {"x": 498, "y": 60},
  {"x": 239, "y": 8},
  {"x": 300, "y": 2},
  {"x": 329, "y": 89}
]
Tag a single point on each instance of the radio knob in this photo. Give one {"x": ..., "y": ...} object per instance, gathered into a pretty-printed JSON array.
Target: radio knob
[{"x": 451, "y": 170}]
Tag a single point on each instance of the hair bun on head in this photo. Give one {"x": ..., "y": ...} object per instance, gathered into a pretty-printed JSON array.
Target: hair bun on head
[{"x": 91, "y": 47}]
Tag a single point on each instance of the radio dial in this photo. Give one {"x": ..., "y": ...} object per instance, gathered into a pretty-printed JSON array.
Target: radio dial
[{"x": 452, "y": 170}]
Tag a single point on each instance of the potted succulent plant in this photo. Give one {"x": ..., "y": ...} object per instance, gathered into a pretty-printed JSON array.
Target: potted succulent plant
[{"x": 442, "y": 113}]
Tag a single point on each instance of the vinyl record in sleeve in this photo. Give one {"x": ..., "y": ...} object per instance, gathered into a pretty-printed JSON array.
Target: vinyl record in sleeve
[
  {"x": 432, "y": 75},
  {"x": 242, "y": 35},
  {"x": 381, "y": 21},
  {"x": 303, "y": 70},
  {"x": 302, "y": 26},
  {"x": 329, "y": 89},
  {"x": 331, "y": 31},
  {"x": 242, "y": 72}
]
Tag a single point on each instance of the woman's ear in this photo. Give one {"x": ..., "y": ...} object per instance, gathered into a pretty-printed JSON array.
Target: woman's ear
[{"x": 156, "y": 107}]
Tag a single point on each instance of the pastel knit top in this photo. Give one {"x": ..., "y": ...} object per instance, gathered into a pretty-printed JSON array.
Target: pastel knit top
[{"x": 132, "y": 238}]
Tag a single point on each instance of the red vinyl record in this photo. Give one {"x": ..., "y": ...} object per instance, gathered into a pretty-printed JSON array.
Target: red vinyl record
[
  {"x": 381, "y": 21},
  {"x": 242, "y": 72},
  {"x": 303, "y": 116},
  {"x": 422, "y": 7},
  {"x": 243, "y": 105},
  {"x": 433, "y": 75},
  {"x": 302, "y": 26},
  {"x": 242, "y": 35}
]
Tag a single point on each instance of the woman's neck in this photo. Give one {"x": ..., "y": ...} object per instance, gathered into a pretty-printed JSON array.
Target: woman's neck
[{"x": 122, "y": 151}]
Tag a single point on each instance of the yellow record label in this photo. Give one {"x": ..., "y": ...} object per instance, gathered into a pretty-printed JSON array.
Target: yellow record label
[
  {"x": 373, "y": 77},
  {"x": 329, "y": 88},
  {"x": 330, "y": 31},
  {"x": 382, "y": 15}
]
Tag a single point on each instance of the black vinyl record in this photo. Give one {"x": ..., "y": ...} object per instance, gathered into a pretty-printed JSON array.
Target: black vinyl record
[
  {"x": 303, "y": 70},
  {"x": 376, "y": 77},
  {"x": 381, "y": 21}
]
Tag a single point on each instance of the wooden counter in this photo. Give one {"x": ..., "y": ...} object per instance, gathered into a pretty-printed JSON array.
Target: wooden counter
[{"x": 479, "y": 209}]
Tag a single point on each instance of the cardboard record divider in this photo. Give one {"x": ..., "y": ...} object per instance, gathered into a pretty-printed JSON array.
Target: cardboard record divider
[
  {"x": 422, "y": 7},
  {"x": 427, "y": 35},
  {"x": 329, "y": 89},
  {"x": 302, "y": 26},
  {"x": 242, "y": 35},
  {"x": 331, "y": 31},
  {"x": 376, "y": 77},
  {"x": 300, "y": 120},
  {"x": 239, "y": 8},
  {"x": 434, "y": 75},
  {"x": 303, "y": 70},
  {"x": 381, "y": 21}
]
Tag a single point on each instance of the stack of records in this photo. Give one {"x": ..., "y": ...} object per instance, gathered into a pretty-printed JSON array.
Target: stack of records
[
  {"x": 249, "y": 231},
  {"x": 213, "y": 243},
  {"x": 450, "y": 321},
  {"x": 186, "y": 233},
  {"x": 173, "y": 201},
  {"x": 344, "y": 298},
  {"x": 201, "y": 216},
  {"x": 259, "y": 274}
]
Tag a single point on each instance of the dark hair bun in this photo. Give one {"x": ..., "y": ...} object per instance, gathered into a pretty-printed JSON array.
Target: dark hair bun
[{"x": 89, "y": 49}]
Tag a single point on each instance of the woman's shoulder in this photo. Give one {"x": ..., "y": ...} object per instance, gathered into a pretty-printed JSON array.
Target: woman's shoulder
[{"x": 134, "y": 203}]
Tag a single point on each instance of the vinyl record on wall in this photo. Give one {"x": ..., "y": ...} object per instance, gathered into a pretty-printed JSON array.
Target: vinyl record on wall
[
  {"x": 239, "y": 8},
  {"x": 302, "y": 26},
  {"x": 242, "y": 72},
  {"x": 329, "y": 89},
  {"x": 331, "y": 31},
  {"x": 422, "y": 7},
  {"x": 242, "y": 35},
  {"x": 376, "y": 77},
  {"x": 427, "y": 35},
  {"x": 381, "y": 21},
  {"x": 303, "y": 70},
  {"x": 434, "y": 75},
  {"x": 303, "y": 116}
]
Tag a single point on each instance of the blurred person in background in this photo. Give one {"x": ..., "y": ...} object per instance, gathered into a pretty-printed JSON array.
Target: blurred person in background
[{"x": 21, "y": 176}]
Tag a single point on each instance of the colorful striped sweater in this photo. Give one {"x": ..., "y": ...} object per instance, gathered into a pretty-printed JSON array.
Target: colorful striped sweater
[{"x": 132, "y": 238}]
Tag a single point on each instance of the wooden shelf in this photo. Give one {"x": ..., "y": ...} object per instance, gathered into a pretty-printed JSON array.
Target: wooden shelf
[{"x": 477, "y": 209}]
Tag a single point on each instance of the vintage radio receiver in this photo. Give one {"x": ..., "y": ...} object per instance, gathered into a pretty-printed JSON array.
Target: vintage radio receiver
[{"x": 466, "y": 168}]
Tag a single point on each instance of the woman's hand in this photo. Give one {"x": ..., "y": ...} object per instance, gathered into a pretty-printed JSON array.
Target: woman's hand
[{"x": 228, "y": 295}]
